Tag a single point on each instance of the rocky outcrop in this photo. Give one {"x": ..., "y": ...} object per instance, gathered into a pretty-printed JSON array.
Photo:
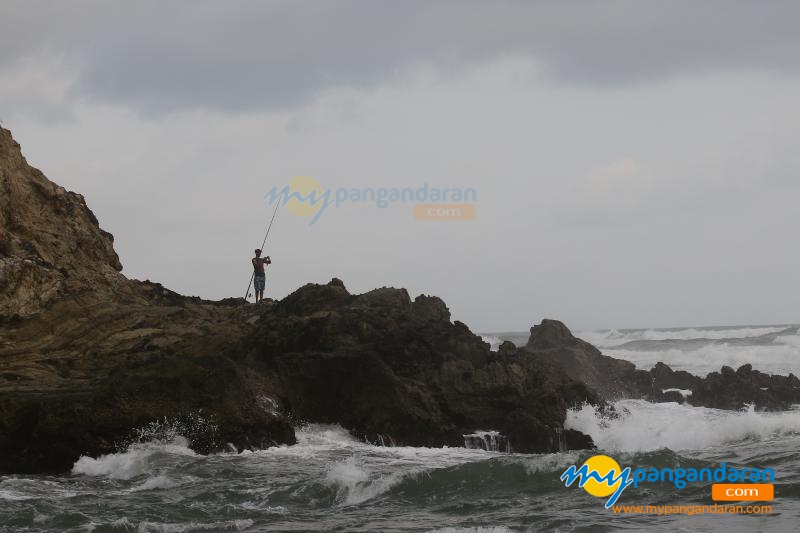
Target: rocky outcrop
[
  {"x": 88, "y": 358},
  {"x": 552, "y": 342},
  {"x": 50, "y": 242},
  {"x": 86, "y": 373},
  {"x": 613, "y": 379},
  {"x": 387, "y": 367},
  {"x": 734, "y": 389}
]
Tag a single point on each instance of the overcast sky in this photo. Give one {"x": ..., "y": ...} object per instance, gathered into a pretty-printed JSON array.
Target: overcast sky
[{"x": 636, "y": 163}]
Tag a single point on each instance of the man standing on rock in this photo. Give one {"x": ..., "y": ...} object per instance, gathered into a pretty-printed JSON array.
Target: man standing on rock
[{"x": 259, "y": 276}]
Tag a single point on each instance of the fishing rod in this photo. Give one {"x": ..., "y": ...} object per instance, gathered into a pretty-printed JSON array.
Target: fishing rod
[{"x": 252, "y": 276}]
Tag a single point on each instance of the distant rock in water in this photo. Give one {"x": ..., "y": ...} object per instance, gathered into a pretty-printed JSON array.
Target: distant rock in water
[
  {"x": 729, "y": 389},
  {"x": 553, "y": 342},
  {"x": 614, "y": 379}
]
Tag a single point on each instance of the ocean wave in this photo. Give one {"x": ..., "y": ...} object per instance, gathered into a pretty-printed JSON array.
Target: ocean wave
[
  {"x": 612, "y": 338},
  {"x": 13, "y": 495},
  {"x": 641, "y": 426},
  {"x": 124, "y": 524},
  {"x": 358, "y": 479},
  {"x": 782, "y": 356},
  {"x": 157, "y": 482},
  {"x": 20, "y": 489},
  {"x": 355, "y": 483},
  {"x": 324, "y": 435},
  {"x": 135, "y": 461},
  {"x": 479, "y": 529},
  {"x": 315, "y": 439}
]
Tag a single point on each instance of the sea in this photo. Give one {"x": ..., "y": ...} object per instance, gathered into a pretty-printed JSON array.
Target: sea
[{"x": 330, "y": 481}]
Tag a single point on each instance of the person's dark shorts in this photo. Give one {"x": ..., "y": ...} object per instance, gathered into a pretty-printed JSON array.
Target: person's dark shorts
[{"x": 260, "y": 281}]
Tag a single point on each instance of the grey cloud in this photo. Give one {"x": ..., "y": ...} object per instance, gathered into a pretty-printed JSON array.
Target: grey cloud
[{"x": 235, "y": 56}]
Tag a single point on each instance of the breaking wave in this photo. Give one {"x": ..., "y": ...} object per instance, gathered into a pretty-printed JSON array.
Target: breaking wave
[
  {"x": 641, "y": 426},
  {"x": 779, "y": 357},
  {"x": 612, "y": 338},
  {"x": 137, "y": 460}
]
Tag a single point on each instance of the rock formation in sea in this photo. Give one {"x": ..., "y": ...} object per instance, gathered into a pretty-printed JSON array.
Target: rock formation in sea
[
  {"x": 89, "y": 357},
  {"x": 91, "y": 360},
  {"x": 613, "y": 379}
]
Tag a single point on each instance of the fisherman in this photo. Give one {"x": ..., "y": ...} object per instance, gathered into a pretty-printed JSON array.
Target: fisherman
[{"x": 259, "y": 276}]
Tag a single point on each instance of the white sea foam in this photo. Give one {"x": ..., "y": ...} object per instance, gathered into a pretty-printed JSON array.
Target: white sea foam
[
  {"x": 610, "y": 338},
  {"x": 123, "y": 523},
  {"x": 324, "y": 435},
  {"x": 643, "y": 426},
  {"x": 316, "y": 439},
  {"x": 779, "y": 357},
  {"x": 550, "y": 462},
  {"x": 489, "y": 529},
  {"x": 159, "y": 482},
  {"x": 683, "y": 392},
  {"x": 133, "y": 462},
  {"x": 494, "y": 341},
  {"x": 20, "y": 489},
  {"x": 368, "y": 470},
  {"x": 40, "y": 518},
  {"x": 356, "y": 484},
  {"x": 13, "y": 495},
  {"x": 159, "y": 527},
  {"x": 492, "y": 441}
]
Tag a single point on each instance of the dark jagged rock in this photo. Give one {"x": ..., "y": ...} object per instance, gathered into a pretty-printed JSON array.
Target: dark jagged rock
[
  {"x": 729, "y": 389},
  {"x": 613, "y": 379},
  {"x": 89, "y": 357},
  {"x": 507, "y": 348},
  {"x": 552, "y": 341},
  {"x": 384, "y": 366},
  {"x": 666, "y": 378}
]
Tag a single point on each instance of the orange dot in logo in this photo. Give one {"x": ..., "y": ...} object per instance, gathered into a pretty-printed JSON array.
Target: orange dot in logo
[
  {"x": 602, "y": 464},
  {"x": 304, "y": 185}
]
